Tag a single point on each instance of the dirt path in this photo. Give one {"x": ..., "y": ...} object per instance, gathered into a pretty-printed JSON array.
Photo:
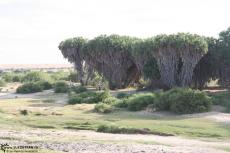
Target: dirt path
[{"x": 93, "y": 142}]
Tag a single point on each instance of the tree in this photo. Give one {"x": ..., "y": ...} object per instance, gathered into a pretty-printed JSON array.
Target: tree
[
  {"x": 71, "y": 49},
  {"x": 111, "y": 57}
]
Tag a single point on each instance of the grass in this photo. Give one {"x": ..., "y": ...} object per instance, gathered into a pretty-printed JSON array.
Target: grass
[{"x": 82, "y": 116}]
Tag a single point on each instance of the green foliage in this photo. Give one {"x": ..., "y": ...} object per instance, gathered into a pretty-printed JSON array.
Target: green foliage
[
  {"x": 29, "y": 88},
  {"x": 61, "y": 87},
  {"x": 78, "y": 89},
  {"x": 180, "y": 40},
  {"x": 74, "y": 99},
  {"x": 112, "y": 43},
  {"x": 35, "y": 76},
  {"x": 73, "y": 76},
  {"x": 184, "y": 101},
  {"x": 122, "y": 95},
  {"x": 46, "y": 85},
  {"x": 59, "y": 75},
  {"x": 2, "y": 83},
  {"x": 76, "y": 42},
  {"x": 24, "y": 112},
  {"x": 222, "y": 98},
  {"x": 103, "y": 108},
  {"x": 138, "y": 102},
  {"x": 151, "y": 70},
  {"x": 89, "y": 97},
  {"x": 110, "y": 100}
]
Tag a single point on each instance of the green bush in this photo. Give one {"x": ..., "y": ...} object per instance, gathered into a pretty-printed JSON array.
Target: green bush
[
  {"x": 119, "y": 130},
  {"x": 121, "y": 95},
  {"x": 24, "y": 112},
  {"x": 78, "y": 89},
  {"x": 45, "y": 85},
  {"x": 184, "y": 101},
  {"x": 35, "y": 76},
  {"x": 103, "y": 108},
  {"x": 101, "y": 96},
  {"x": 61, "y": 87},
  {"x": 2, "y": 83},
  {"x": 222, "y": 98},
  {"x": 138, "y": 102},
  {"x": 74, "y": 99},
  {"x": 29, "y": 88},
  {"x": 120, "y": 104},
  {"x": 110, "y": 100},
  {"x": 91, "y": 97}
]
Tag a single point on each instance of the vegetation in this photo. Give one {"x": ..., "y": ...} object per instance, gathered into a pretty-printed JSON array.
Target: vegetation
[
  {"x": 184, "y": 101},
  {"x": 138, "y": 102},
  {"x": 122, "y": 95},
  {"x": 222, "y": 98},
  {"x": 177, "y": 60},
  {"x": 103, "y": 108},
  {"x": 29, "y": 88},
  {"x": 61, "y": 87},
  {"x": 78, "y": 89},
  {"x": 2, "y": 83},
  {"x": 88, "y": 97}
]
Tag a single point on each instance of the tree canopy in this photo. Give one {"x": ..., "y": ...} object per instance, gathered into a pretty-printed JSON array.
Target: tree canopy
[{"x": 180, "y": 59}]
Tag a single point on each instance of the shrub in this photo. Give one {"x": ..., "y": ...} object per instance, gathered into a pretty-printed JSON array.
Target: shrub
[
  {"x": 222, "y": 98},
  {"x": 45, "y": 85},
  {"x": 24, "y": 112},
  {"x": 61, "y": 87},
  {"x": 121, "y": 95},
  {"x": 184, "y": 101},
  {"x": 103, "y": 108},
  {"x": 74, "y": 99},
  {"x": 138, "y": 102},
  {"x": 121, "y": 103},
  {"x": 78, "y": 89},
  {"x": 29, "y": 88},
  {"x": 90, "y": 97},
  {"x": 2, "y": 83},
  {"x": 121, "y": 130},
  {"x": 36, "y": 76},
  {"x": 110, "y": 100},
  {"x": 8, "y": 76}
]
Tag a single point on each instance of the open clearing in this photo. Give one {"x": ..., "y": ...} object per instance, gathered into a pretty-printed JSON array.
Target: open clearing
[{"x": 53, "y": 125}]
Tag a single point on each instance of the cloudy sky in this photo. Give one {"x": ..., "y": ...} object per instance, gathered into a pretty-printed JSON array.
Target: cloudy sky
[{"x": 30, "y": 30}]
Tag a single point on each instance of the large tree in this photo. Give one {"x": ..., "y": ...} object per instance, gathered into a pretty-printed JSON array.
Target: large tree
[
  {"x": 177, "y": 56},
  {"x": 111, "y": 57},
  {"x": 72, "y": 50}
]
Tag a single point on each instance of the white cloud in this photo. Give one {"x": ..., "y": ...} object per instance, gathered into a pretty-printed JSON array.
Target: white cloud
[{"x": 30, "y": 31}]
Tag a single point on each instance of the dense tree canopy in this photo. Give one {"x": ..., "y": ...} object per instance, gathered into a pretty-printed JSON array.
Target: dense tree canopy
[
  {"x": 111, "y": 56},
  {"x": 181, "y": 59}
]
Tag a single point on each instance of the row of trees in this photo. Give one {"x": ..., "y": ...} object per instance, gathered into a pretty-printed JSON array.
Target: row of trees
[{"x": 181, "y": 59}]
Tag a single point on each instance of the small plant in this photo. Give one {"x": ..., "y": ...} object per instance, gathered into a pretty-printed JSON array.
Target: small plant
[
  {"x": 29, "y": 88},
  {"x": 61, "y": 87},
  {"x": 24, "y": 112},
  {"x": 103, "y": 108}
]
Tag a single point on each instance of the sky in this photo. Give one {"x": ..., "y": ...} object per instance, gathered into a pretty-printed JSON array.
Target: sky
[{"x": 31, "y": 30}]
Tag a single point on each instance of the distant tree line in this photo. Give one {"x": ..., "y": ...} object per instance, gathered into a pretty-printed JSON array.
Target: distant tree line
[{"x": 181, "y": 60}]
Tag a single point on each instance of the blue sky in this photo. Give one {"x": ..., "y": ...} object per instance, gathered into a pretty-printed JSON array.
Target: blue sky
[{"x": 30, "y": 30}]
